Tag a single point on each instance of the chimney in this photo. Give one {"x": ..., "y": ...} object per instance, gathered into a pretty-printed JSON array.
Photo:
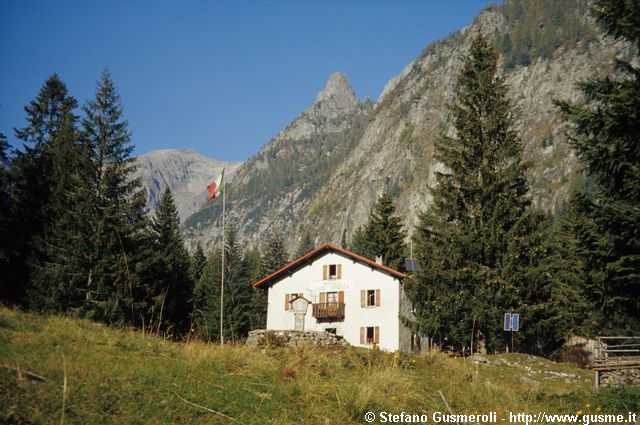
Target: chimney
[{"x": 379, "y": 259}]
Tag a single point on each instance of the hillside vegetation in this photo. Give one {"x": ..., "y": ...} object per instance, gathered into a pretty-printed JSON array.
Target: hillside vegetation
[{"x": 103, "y": 375}]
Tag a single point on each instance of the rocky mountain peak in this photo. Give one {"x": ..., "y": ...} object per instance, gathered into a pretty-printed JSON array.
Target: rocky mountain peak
[
  {"x": 327, "y": 114},
  {"x": 338, "y": 91}
]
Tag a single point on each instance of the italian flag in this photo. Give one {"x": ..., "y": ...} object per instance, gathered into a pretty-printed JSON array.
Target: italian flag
[{"x": 216, "y": 188}]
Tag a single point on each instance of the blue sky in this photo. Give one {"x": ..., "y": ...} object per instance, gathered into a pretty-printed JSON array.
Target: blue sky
[{"x": 221, "y": 77}]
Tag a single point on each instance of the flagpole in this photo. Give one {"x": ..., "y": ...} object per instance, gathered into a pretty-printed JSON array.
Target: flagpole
[{"x": 224, "y": 196}]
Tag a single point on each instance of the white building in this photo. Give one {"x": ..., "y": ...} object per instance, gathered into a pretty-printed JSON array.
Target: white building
[{"x": 351, "y": 296}]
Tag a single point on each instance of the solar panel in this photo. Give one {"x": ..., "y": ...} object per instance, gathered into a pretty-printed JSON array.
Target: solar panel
[
  {"x": 507, "y": 321},
  {"x": 515, "y": 322}
]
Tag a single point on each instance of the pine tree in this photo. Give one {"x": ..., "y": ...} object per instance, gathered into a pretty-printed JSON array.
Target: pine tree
[
  {"x": 361, "y": 243},
  {"x": 113, "y": 212},
  {"x": 606, "y": 222},
  {"x": 198, "y": 262},
  {"x": 5, "y": 211},
  {"x": 382, "y": 235},
  {"x": 474, "y": 245},
  {"x": 275, "y": 255},
  {"x": 40, "y": 177},
  {"x": 255, "y": 272},
  {"x": 53, "y": 264},
  {"x": 170, "y": 286},
  {"x": 237, "y": 293}
]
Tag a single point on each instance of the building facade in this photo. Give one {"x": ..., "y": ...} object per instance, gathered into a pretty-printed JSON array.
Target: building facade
[{"x": 351, "y": 296}]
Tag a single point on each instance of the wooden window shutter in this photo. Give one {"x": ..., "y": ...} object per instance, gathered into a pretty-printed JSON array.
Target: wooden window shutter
[
  {"x": 363, "y": 298},
  {"x": 377, "y": 298},
  {"x": 325, "y": 272},
  {"x": 363, "y": 332},
  {"x": 340, "y": 296},
  {"x": 339, "y": 271},
  {"x": 323, "y": 297},
  {"x": 376, "y": 335},
  {"x": 287, "y": 298}
]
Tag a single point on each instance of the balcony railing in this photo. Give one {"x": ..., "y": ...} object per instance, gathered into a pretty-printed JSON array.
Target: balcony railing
[{"x": 324, "y": 311}]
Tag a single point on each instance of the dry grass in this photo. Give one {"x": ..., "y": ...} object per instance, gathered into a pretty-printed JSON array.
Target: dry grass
[{"x": 122, "y": 376}]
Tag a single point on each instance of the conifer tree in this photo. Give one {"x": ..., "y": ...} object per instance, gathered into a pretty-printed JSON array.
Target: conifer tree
[
  {"x": 53, "y": 262},
  {"x": 606, "y": 221},
  {"x": 382, "y": 235},
  {"x": 237, "y": 292},
  {"x": 475, "y": 244},
  {"x": 40, "y": 176},
  {"x": 275, "y": 255},
  {"x": 5, "y": 231},
  {"x": 258, "y": 308},
  {"x": 113, "y": 211},
  {"x": 170, "y": 284},
  {"x": 198, "y": 262}
]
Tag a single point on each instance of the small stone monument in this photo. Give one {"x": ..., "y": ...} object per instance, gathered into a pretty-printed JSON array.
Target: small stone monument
[{"x": 299, "y": 306}]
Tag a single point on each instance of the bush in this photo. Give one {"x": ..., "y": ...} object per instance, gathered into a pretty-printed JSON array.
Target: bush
[{"x": 618, "y": 399}]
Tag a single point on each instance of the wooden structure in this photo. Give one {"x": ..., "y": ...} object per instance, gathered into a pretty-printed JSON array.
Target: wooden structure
[
  {"x": 615, "y": 353},
  {"x": 333, "y": 311}
]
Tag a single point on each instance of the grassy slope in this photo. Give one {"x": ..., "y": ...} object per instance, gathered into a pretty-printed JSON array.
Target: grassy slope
[{"x": 120, "y": 376}]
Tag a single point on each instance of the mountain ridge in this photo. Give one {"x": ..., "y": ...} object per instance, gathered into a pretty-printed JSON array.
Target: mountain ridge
[
  {"x": 186, "y": 173},
  {"x": 323, "y": 174}
]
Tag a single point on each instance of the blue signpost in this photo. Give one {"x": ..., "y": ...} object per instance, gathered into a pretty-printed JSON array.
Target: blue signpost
[{"x": 511, "y": 324}]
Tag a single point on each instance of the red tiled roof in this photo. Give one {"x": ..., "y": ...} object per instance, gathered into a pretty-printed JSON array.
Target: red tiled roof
[{"x": 273, "y": 277}]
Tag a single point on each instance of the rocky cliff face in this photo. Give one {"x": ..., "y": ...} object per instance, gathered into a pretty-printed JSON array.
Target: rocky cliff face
[
  {"x": 274, "y": 188},
  {"x": 185, "y": 172},
  {"x": 323, "y": 172}
]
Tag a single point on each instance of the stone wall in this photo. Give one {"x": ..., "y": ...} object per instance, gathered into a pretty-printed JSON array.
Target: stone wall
[
  {"x": 266, "y": 338},
  {"x": 619, "y": 377}
]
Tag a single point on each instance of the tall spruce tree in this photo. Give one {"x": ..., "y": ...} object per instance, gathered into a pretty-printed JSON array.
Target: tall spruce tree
[
  {"x": 5, "y": 211},
  {"x": 112, "y": 211},
  {"x": 606, "y": 221},
  {"x": 255, "y": 272},
  {"x": 275, "y": 255},
  {"x": 382, "y": 235},
  {"x": 198, "y": 262},
  {"x": 54, "y": 264},
  {"x": 475, "y": 243},
  {"x": 169, "y": 282},
  {"x": 39, "y": 178},
  {"x": 237, "y": 292}
]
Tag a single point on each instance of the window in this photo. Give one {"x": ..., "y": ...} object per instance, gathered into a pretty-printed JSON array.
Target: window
[
  {"x": 332, "y": 271},
  {"x": 370, "y": 335},
  {"x": 370, "y": 298},
  {"x": 331, "y": 297},
  {"x": 331, "y": 331}
]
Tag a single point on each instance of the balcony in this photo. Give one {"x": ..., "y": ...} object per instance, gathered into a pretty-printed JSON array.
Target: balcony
[{"x": 329, "y": 312}]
